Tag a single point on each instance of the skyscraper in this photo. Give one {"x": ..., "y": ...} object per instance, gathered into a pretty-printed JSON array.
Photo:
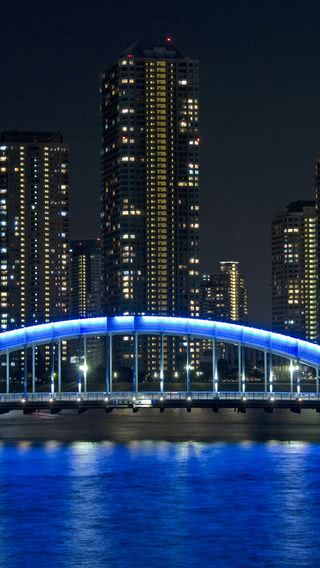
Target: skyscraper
[
  {"x": 294, "y": 270},
  {"x": 224, "y": 296},
  {"x": 150, "y": 189},
  {"x": 317, "y": 187},
  {"x": 34, "y": 228}
]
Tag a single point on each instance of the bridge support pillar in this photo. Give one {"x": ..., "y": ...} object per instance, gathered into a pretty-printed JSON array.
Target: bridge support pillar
[
  {"x": 7, "y": 372},
  {"x": 243, "y": 370},
  {"x": 215, "y": 377},
  {"x": 25, "y": 371},
  {"x": 161, "y": 365},
  {"x": 52, "y": 368},
  {"x": 291, "y": 368},
  {"x": 317, "y": 380},
  {"x": 239, "y": 368},
  {"x": 298, "y": 378},
  {"x": 85, "y": 367},
  {"x": 136, "y": 363},
  {"x": 33, "y": 369},
  {"x": 59, "y": 366},
  {"x": 110, "y": 363},
  {"x": 79, "y": 376},
  {"x": 188, "y": 364},
  {"x": 107, "y": 364},
  {"x": 270, "y": 373},
  {"x": 265, "y": 371}
]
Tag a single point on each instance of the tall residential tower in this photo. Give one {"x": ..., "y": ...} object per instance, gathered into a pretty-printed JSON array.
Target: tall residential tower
[
  {"x": 317, "y": 187},
  {"x": 33, "y": 228},
  {"x": 150, "y": 189}
]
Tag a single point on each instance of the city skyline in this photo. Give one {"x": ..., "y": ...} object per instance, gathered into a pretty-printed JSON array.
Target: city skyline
[
  {"x": 160, "y": 283},
  {"x": 257, "y": 133}
]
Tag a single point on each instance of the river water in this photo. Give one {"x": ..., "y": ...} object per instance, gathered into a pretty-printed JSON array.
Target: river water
[{"x": 159, "y": 503}]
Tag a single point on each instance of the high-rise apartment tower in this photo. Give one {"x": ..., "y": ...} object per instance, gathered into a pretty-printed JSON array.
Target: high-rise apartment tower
[
  {"x": 33, "y": 228},
  {"x": 150, "y": 189},
  {"x": 317, "y": 187}
]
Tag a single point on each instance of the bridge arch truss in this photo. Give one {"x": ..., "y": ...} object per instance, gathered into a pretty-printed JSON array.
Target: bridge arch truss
[{"x": 268, "y": 342}]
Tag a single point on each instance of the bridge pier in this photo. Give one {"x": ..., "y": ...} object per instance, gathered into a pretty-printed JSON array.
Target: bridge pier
[{"x": 317, "y": 380}]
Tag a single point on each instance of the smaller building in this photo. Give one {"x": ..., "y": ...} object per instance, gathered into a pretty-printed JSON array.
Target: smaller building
[
  {"x": 85, "y": 297},
  {"x": 85, "y": 278},
  {"x": 224, "y": 295},
  {"x": 294, "y": 270}
]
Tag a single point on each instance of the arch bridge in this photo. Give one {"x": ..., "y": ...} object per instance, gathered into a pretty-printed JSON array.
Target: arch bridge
[{"x": 296, "y": 351}]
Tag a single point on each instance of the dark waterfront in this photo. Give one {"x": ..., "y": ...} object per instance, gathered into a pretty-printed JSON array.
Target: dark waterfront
[
  {"x": 173, "y": 425},
  {"x": 154, "y": 491}
]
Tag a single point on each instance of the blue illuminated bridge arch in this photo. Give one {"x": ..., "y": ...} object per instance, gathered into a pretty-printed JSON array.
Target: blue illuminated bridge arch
[
  {"x": 251, "y": 337},
  {"x": 25, "y": 339}
]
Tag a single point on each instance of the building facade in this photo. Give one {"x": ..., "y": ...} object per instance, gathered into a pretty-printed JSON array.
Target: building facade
[
  {"x": 224, "y": 296},
  {"x": 150, "y": 186},
  {"x": 294, "y": 270},
  {"x": 34, "y": 228}
]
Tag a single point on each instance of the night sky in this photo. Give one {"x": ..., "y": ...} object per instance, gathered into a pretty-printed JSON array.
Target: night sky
[{"x": 260, "y": 106}]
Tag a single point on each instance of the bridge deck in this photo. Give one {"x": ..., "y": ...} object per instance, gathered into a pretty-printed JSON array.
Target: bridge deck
[{"x": 135, "y": 401}]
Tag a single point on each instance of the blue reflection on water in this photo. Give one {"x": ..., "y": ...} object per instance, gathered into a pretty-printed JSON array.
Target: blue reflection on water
[{"x": 160, "y": 504}]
